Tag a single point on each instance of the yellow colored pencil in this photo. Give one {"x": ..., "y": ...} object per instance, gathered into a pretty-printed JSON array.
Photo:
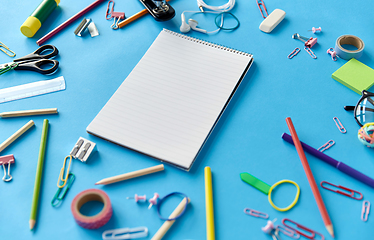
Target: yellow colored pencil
[{"x": 210, "y": 235}]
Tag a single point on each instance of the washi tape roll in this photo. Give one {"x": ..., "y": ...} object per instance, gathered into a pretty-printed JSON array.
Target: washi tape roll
[
  {"x": 349, "y": 40},
  {"x": 91, "y": 222}
]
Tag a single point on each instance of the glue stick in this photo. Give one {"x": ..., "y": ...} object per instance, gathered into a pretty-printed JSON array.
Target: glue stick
[{"x": 38, "y": 17}]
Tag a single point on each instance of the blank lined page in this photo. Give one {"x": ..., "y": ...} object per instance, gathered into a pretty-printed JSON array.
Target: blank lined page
[{"x": 169, "y": 103}]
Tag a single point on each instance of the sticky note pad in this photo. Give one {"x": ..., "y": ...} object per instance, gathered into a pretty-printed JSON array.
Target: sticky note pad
[{"x": 355, "y": 75}]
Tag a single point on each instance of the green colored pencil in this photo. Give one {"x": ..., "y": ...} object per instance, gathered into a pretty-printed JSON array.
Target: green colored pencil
[{"x": 38, "y": 177}]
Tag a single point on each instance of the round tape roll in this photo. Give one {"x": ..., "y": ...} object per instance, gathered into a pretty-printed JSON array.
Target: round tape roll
[
  {"x": 91, "y": 222},
  {"x": 349, "y": 40}
]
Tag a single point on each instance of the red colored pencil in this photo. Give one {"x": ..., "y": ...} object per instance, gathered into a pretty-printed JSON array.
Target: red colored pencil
[
  {"x": 68, "y": 22},
  {"x": 309, "y": 174}
]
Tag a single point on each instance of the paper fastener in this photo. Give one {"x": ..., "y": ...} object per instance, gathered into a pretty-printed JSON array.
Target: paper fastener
[
  {"x": 83, "y": 149},
  {"x": 271, "y": 21},
  {"x": 351, "y": 193},
  {"x": 365, "y": 211},
  {"x": 308, "y": 42},
  {"x": 256, "y": 213},
  {"x": 125, "y": 233},
  {"x": 8, "y": 159}
]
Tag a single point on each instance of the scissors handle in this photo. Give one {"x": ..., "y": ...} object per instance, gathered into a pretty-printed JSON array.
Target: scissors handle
[
  {"x": 38, "y": 54},
  {"x": 40, "y": 66}
]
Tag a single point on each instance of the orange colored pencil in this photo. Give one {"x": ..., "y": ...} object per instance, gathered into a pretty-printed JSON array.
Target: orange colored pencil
[{"x": 309, "y": 174}]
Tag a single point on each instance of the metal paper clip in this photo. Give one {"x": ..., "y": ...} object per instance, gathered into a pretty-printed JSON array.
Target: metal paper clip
[
  {"x": 332, "y": 52},
  {"x": 256, "y": 213},
  {"x": 294, "y": 53},
  {"x": 8, "y": 159},
  {"x": 351, "y": 192},
  {"x": 117, "y": 16},
  {"x": 365, "y": 211},
  {"x": 259, "y": 4},
  {"x": 339, "y": 125},
  {"x": 308, "y": 42},
  {"x": 7, "y": 51},
  {"x": 288, "y": 232},
  {"x": 109, "y": 13},
  {"x": 82, "y": 26},
  {"x": 57, "y": 199},
  {"x": 326, "y": 146},
  {"x": 61, "y": 176},
  {"x": 311, "y": 53},
  {"x": 305, "y": 229},
  {"x": 125, "y": 233}
]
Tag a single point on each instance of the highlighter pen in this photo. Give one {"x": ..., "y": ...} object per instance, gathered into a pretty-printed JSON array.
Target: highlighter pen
[{"x": 339, "y": 165}]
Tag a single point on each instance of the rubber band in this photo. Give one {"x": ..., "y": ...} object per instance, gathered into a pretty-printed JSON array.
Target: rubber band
[
  {"x": 294, "y": 201},
  {"x": 220, "y": 26},
  {"x": 163, "y": 199}
]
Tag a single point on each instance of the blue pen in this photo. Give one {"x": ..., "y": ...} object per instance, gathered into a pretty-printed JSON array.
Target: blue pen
[{"x": 339, "y": 165}]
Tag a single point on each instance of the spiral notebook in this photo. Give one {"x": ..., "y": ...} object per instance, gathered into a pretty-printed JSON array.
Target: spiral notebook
[{"x": 170, "y": 102}]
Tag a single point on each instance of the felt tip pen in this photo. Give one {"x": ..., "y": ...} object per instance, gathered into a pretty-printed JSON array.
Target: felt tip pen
[{"x": 339, "y": 165}]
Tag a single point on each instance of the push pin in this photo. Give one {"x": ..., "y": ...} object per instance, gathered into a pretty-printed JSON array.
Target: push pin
[
  {"x": 137, "y": 198},
  {"x": 271, "y": 230},
  {"x": 314, "y": 30},
  {"x": 8, "y": 159},
  {"x": 117, "y": 16},
  {"x": 153, "y": 200},
  {"x": 332, "y": 52},
  {"x": 308, "y": 42}
]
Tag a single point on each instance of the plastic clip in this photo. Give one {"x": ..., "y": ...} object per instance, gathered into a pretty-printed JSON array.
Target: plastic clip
[
  {"x": 305, "y": 229},
  {"x": 8, "y": 159},
  {"x": 339, "y": 125},
  {"x": 256, "y": 213},
  {"x": 365, "y": 211},
  {"x": 6, "y": 50},
  {"x": 57, "y": 199},
  {"x": 294, "y": 53},
  {"x": 311, "y": 53},
  {"x": 351, "y": 193},
  {"x": 332, "y": 52},
  {"x": 125, "y": 233},
  {"x": 288, "y": 232},
  {"x": 326, "y": 146},
  {"x": 264, "y": 10}
]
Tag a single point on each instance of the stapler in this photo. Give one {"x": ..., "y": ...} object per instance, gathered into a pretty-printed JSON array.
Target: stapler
[{"x": 159, "y": 9}]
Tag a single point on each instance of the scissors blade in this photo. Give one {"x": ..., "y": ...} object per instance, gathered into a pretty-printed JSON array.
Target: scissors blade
[{"x": 2, "y": 66}]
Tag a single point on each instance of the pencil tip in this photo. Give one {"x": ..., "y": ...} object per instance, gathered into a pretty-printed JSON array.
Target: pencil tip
[
  {"x": 32, "y": 224},
  {"x": 330, "y": 230}
]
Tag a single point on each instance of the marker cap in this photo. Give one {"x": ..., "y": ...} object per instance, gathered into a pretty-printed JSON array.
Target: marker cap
[{"x": 30, "y": 26}]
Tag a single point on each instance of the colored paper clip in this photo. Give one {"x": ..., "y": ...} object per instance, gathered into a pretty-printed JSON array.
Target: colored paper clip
[
  {"x": 310, "y": 52},
  {"x": 6, "y": 50},
  {"x": 57, "y": 198},
  {"x": 256, "y": 213},
  {"x": 8, "y": 159},
  {"x": 339, "y": 125},
  {"x": 108, "y": 14},
  {"x": 305, "y": 229},
  {"x": 125, "y": 233},
  {"x": 61, "y": 176},
  {"x": 264, "y": 10},
  {"x": 326, "y": 146},
  {"x": 365, "y": 211},
  {"x": 294, "y": 53},
  {"x": 351, "y": 192},
  {"x": 288, "y": 232}
]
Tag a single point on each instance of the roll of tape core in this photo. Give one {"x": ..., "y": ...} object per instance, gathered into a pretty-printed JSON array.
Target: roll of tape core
[
  {"x": 349, "y": 40},
  {"x": 91, "y": 222}
]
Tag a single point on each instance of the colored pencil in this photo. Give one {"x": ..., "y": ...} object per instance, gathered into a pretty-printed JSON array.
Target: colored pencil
[
  {"x": 28, "y": 112},
  {"x": 130, "y": 175},
  {"x": 38, "y": 176},
  {"x": 68, "y": 22},
  {"x": 210, "y": 235},
  {"x": 16, "y": 135},
  {"x": 309, "y": 174}
]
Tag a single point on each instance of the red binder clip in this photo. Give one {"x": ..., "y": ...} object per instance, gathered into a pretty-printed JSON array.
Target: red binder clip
[
  {"x": 351, "y": 193},
  {"x": 305, "y": 229},
  {"x": 8, "y": 159}
]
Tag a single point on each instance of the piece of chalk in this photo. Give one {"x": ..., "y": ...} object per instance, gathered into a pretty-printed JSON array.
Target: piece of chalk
[{"x": 272, "y": 20}]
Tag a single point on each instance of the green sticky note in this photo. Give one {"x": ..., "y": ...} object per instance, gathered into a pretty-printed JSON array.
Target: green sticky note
[
  {"x": 255, "y": 182},
  {"x": 355, "y": 75}
]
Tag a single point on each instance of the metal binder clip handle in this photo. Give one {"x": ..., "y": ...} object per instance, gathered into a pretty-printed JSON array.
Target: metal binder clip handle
[
  {"x": 8, "y": 159},
  {"x": 125, "y": 233}
]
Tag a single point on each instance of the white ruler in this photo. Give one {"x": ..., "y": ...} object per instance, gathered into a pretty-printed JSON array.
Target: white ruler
[{"x": 32, "y": 89}]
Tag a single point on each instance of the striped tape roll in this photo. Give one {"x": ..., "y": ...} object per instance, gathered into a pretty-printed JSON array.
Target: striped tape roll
[
  {"x": 91, "y": 222},
  {"x": 349, "y": 40}
]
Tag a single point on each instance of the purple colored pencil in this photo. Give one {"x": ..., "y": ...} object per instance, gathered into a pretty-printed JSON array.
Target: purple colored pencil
[{"x": 339, "y": 165}]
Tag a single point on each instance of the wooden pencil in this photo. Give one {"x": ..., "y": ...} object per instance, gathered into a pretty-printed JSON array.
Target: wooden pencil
[
  {"x": 312, "y": 182},
  {"x": 16, "y": 135},
  {"x": 28, "y": 112}
]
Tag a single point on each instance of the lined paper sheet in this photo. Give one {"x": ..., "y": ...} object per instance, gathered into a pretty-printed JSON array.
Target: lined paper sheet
[{"x": 170, "y": 102}]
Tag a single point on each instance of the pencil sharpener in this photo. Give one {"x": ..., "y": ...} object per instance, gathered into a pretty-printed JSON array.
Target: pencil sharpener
[
  {"x": 83, "y": 149},
  {"x": 159, "y": 9}
]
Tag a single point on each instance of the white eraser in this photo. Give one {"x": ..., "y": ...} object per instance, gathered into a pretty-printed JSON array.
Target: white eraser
[{"x": 272, "y": 20}]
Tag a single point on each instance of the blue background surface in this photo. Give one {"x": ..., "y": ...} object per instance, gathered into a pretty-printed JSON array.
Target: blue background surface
[{"x": 246, "y": 139}]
